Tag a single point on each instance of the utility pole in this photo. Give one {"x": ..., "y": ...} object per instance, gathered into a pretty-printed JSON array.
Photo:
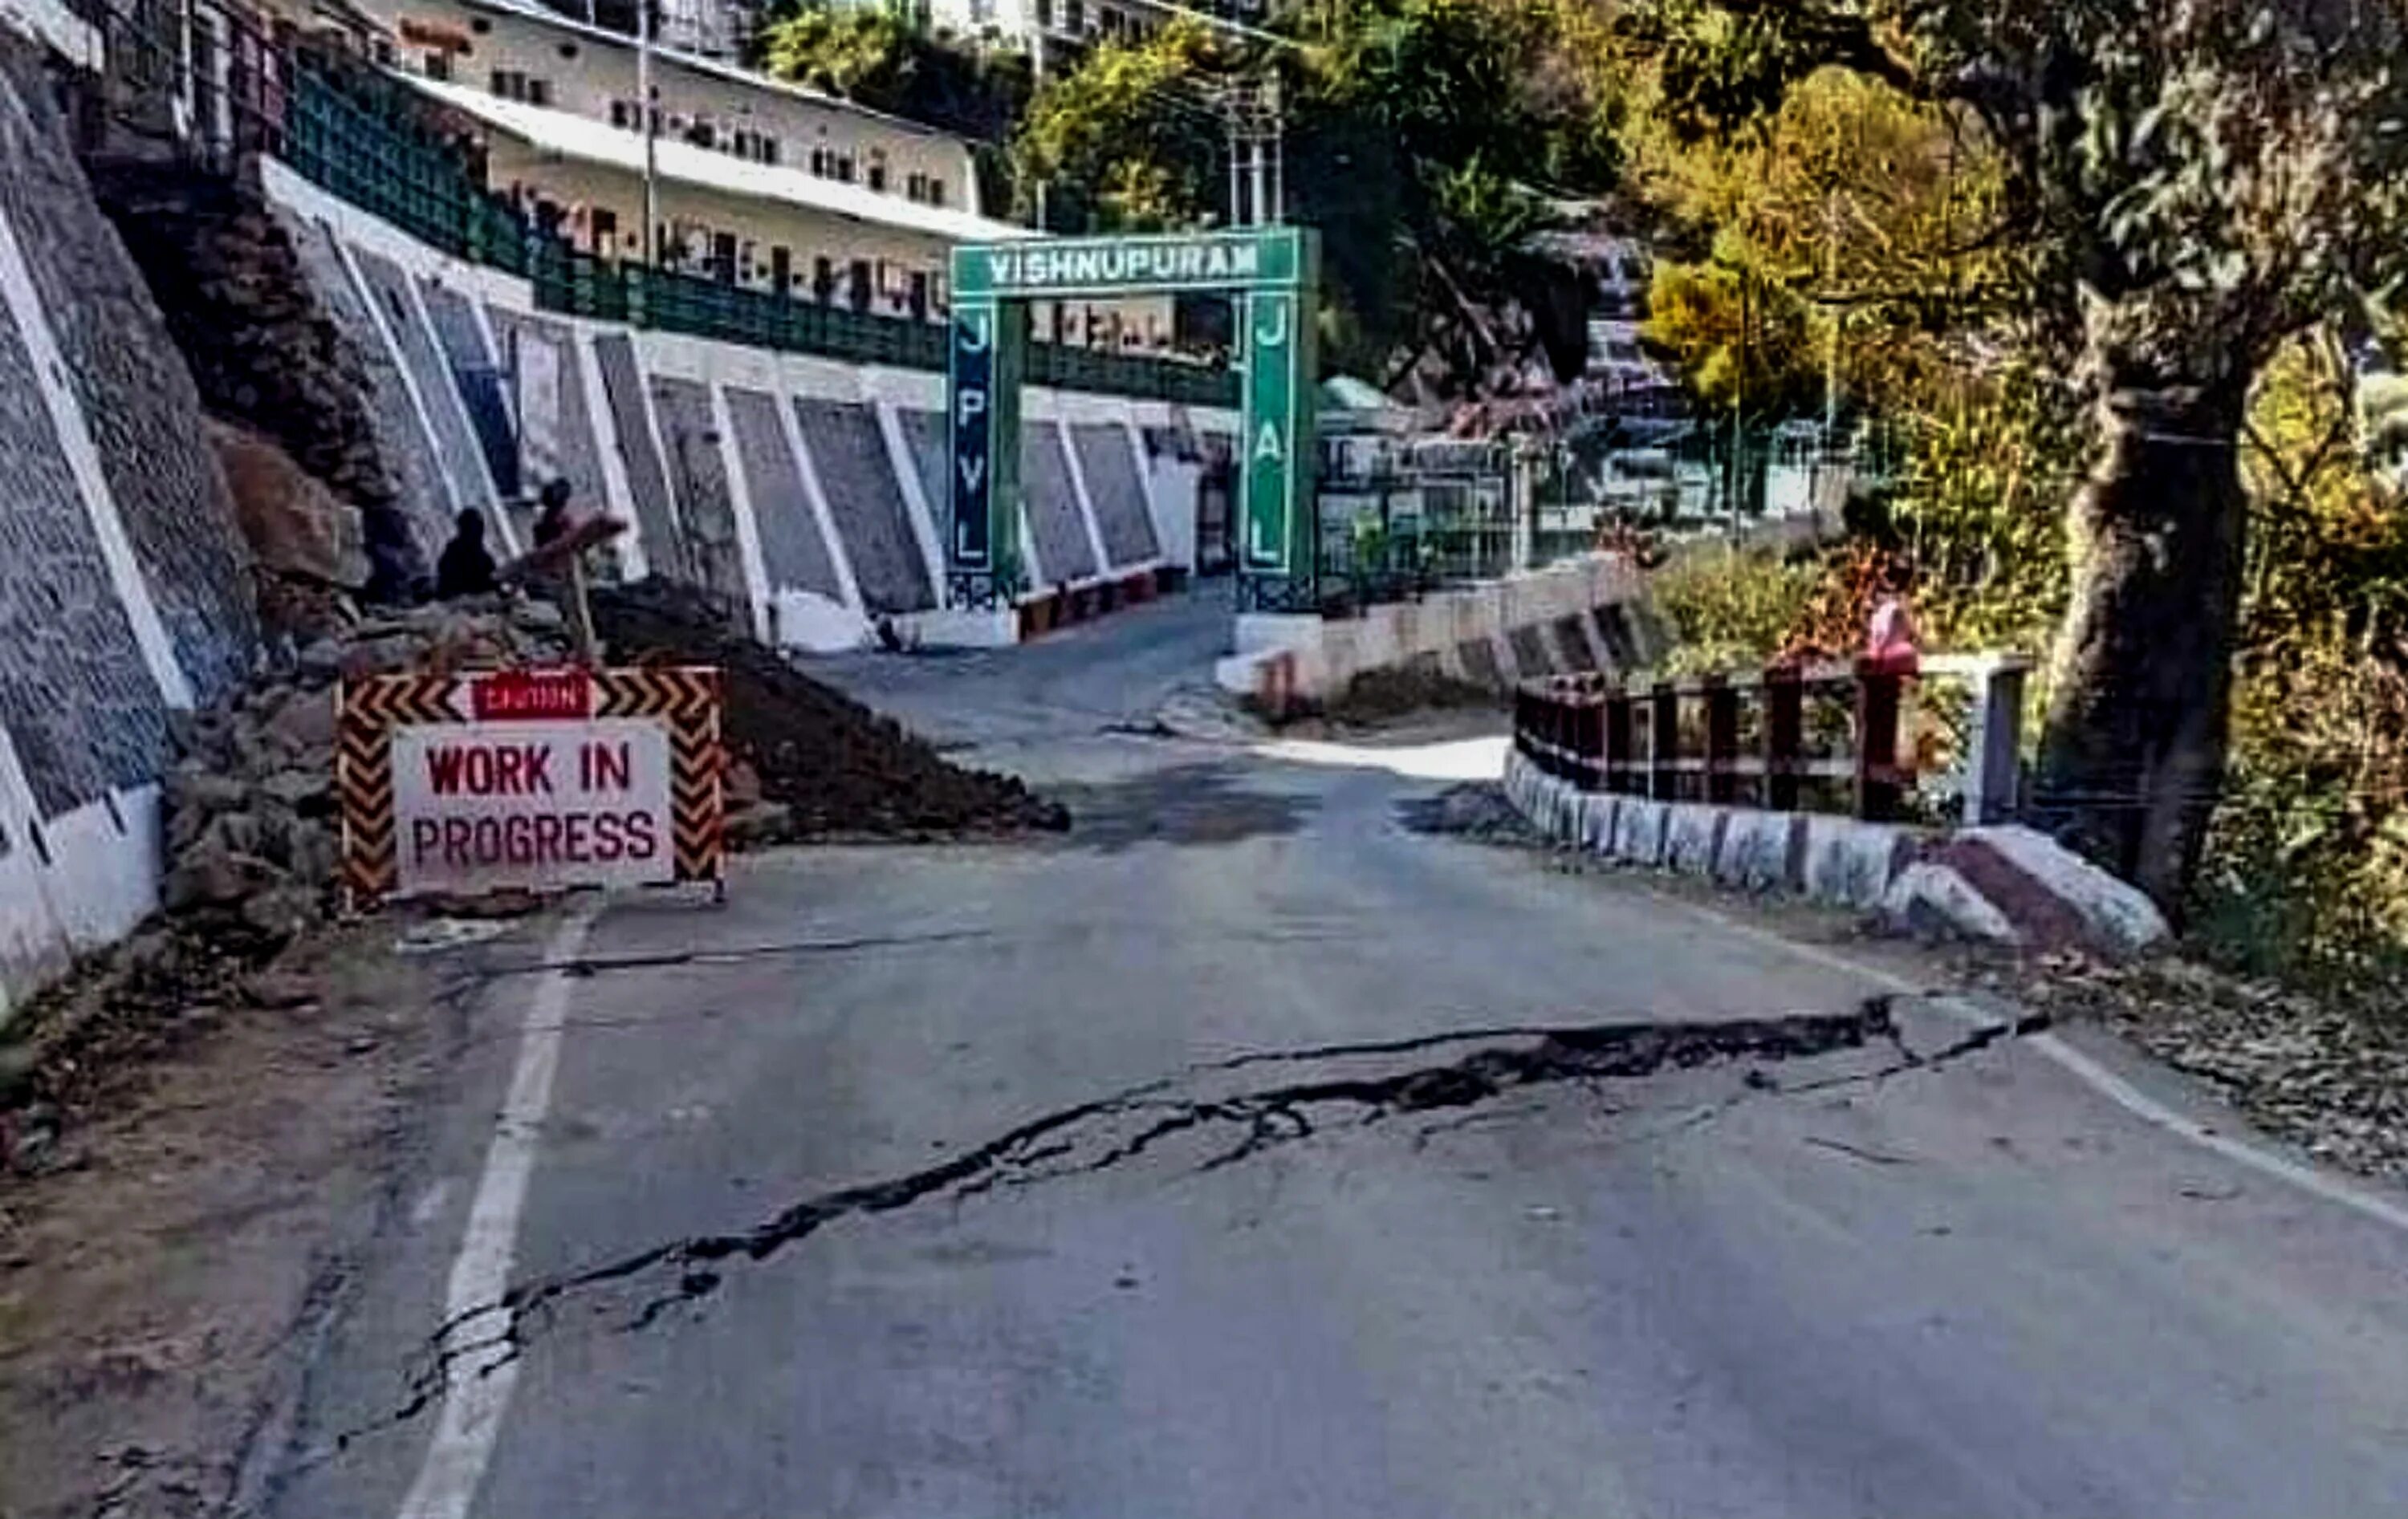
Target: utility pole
[
  {"x": 1271, "y": 202},
  {"x": 649, "y": 106},
  {"x": 1831, "y": 349},
  {"x": 1036, "y": 87},
  {"x": 1739, "y": 407},
  {"x": 1257, "y": 174}
]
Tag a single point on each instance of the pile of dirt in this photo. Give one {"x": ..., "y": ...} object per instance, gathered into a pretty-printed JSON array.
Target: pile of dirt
[
  {"x": 1476, "y": 810},
  {"x": 807, "y": 761}
]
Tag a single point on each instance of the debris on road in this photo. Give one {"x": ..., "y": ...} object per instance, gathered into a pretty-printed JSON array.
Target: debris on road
[
  {"x": 1477, "y": 809},
  {"x": 2328, "y": 1073},
  {"x": 806, "y": 761},
  {"x": 253, "y": 843}
]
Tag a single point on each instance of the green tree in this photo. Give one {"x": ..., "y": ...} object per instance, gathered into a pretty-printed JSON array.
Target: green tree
[
  {"x": 1128, "y": 139},
  {"x": 1418, "y": 136},
  {"x": 878, "y": 59},
  {"x": 2190, "y": 183}
]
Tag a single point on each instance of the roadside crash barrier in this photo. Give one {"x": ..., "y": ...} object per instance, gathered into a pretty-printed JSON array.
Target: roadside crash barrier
[{"x": 1802, "y": 780}]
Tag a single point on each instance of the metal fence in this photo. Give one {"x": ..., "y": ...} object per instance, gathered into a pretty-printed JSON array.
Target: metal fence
[
  {"x": 1853, "y": 736},
  {"x": 358, "y": 135}
]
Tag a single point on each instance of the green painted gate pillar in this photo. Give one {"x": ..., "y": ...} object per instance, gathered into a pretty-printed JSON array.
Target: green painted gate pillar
[
  {"x": 1279, "y": 553},
  {"x": 988, "y": 355}
]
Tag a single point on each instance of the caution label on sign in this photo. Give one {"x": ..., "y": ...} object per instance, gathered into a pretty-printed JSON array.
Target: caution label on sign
[{"x": 530, "y": 780}]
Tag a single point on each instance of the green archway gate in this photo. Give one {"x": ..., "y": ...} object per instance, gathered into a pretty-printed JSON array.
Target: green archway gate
[{"x": 1272, "y": 271}]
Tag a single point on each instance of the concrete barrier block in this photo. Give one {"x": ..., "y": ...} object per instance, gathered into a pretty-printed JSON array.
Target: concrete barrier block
[
  {"x": 1850, "y": 862},
  {"x": 1639, "y": 831},
  {"x": 1476, "y": 659},
  {"x": 1929, "y": 899},
  {"x": 1692, "y": 838},
  {"x": 1597, "y": 823},
  {"x": 1532, "y": 660},
  {"x": 2115, "y": 915},
  {"x": 1762, "y": 851}
]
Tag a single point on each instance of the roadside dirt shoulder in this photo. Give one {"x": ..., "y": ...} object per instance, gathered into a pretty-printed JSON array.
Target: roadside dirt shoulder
[{"x": 169, "y": 1262}]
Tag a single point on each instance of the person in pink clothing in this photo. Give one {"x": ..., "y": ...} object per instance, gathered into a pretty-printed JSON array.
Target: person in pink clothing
[{"x": 1893, "y": 642}]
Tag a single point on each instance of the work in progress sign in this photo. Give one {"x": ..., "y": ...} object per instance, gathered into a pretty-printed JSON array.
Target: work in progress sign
[{"x": 532, "y": 779}]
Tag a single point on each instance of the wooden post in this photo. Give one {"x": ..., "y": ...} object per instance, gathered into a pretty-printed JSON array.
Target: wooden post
[
  {"x": 580, "y": 616},
  {"x": 1722, "y": 741},
  {"x": 1617, "y": 738},
  {"x": 1877, "y": 709},
  {"x": 1784, "y": 736},
  {"x": 1663, "y": 744}
]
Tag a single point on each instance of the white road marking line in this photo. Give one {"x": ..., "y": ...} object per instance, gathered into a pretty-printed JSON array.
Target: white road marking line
[
  {"x": 2083, "y": 1069},
  {"x": 479, "y": 1386}
]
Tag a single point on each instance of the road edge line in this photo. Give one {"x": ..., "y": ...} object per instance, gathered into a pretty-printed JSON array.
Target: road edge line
[
  {"x": 2081, "y": 1068},
  {"x": 477, "y": 1384}
]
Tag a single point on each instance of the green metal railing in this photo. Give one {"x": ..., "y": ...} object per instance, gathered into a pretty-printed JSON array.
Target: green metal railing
[{"x": 361, "y": 138}]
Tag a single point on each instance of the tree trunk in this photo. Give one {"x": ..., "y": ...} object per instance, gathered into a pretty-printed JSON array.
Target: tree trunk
[{"x": 2141, "y": 674}]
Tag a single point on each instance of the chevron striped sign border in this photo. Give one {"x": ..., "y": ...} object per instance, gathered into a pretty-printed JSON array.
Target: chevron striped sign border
[{"x": 686, "y": 697}]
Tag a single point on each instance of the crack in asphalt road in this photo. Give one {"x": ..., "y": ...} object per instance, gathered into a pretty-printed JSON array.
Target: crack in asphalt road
[{"x": 1096, "y": 1136}]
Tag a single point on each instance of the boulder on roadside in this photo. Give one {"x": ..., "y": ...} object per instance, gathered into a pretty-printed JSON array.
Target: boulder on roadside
[{"x": 294, "y": 524}]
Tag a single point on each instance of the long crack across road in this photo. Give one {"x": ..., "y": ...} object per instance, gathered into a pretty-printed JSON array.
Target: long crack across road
[{"x": 1110, "y": 1131}]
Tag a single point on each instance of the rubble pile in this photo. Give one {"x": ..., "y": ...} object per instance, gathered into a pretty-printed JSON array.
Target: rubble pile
[
  {"x": 807, "y": 761},
  {"x": 252, "y": 836}
]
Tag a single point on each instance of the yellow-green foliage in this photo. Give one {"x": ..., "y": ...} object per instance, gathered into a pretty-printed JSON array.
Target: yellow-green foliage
[
  {"x": 2307, "y": 867},
  {"x": 1730, "y": 608}
]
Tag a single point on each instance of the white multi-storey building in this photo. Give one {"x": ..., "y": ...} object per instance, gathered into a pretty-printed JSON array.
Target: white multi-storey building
[
  {"x": 1057, "y": 29},
  {"x": 756, "y": 183}
]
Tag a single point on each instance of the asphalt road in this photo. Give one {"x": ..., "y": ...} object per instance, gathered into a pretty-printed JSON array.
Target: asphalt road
[{"x": 1270, "y": 1239}]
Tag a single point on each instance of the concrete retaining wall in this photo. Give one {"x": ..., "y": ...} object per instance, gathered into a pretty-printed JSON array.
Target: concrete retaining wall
[
  {"x": 1587, "y": 613},
  {"x": 821, "y": 512}
]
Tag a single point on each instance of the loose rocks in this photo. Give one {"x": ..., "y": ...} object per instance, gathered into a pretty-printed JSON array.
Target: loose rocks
[{"x": 254, "y": 840}]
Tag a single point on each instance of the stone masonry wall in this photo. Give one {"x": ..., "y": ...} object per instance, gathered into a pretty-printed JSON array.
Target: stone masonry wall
[{"x": 135, "y": 390}]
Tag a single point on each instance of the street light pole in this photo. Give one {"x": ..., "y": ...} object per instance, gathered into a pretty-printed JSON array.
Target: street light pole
[{"x": 650, "y": 109}]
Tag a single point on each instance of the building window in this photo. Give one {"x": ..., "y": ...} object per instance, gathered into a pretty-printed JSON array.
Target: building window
[
  {"x": 603, "y": 227},
  {"x": 1074, "y": 15},
  {"x": 438, "y": 65},
  {"x": 877, "y": 169},
  {"x": 820, "y": 161},
  {"x": 782, "y": 269},
  {"x": 513, "y": 84},
  {"x": 703, "y": 135},
  {"x": 936, "y": 191},
  {"x": 568, "y": 50},
  {"x": 623, "y": 115},
  {"x": 1044, "y": 12},
  {"x": 768, "y": 149},
  {"x": 844, "y": 168},
  {"x": 480, "y": 25},
  {"x": 823, "y": 280}
]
